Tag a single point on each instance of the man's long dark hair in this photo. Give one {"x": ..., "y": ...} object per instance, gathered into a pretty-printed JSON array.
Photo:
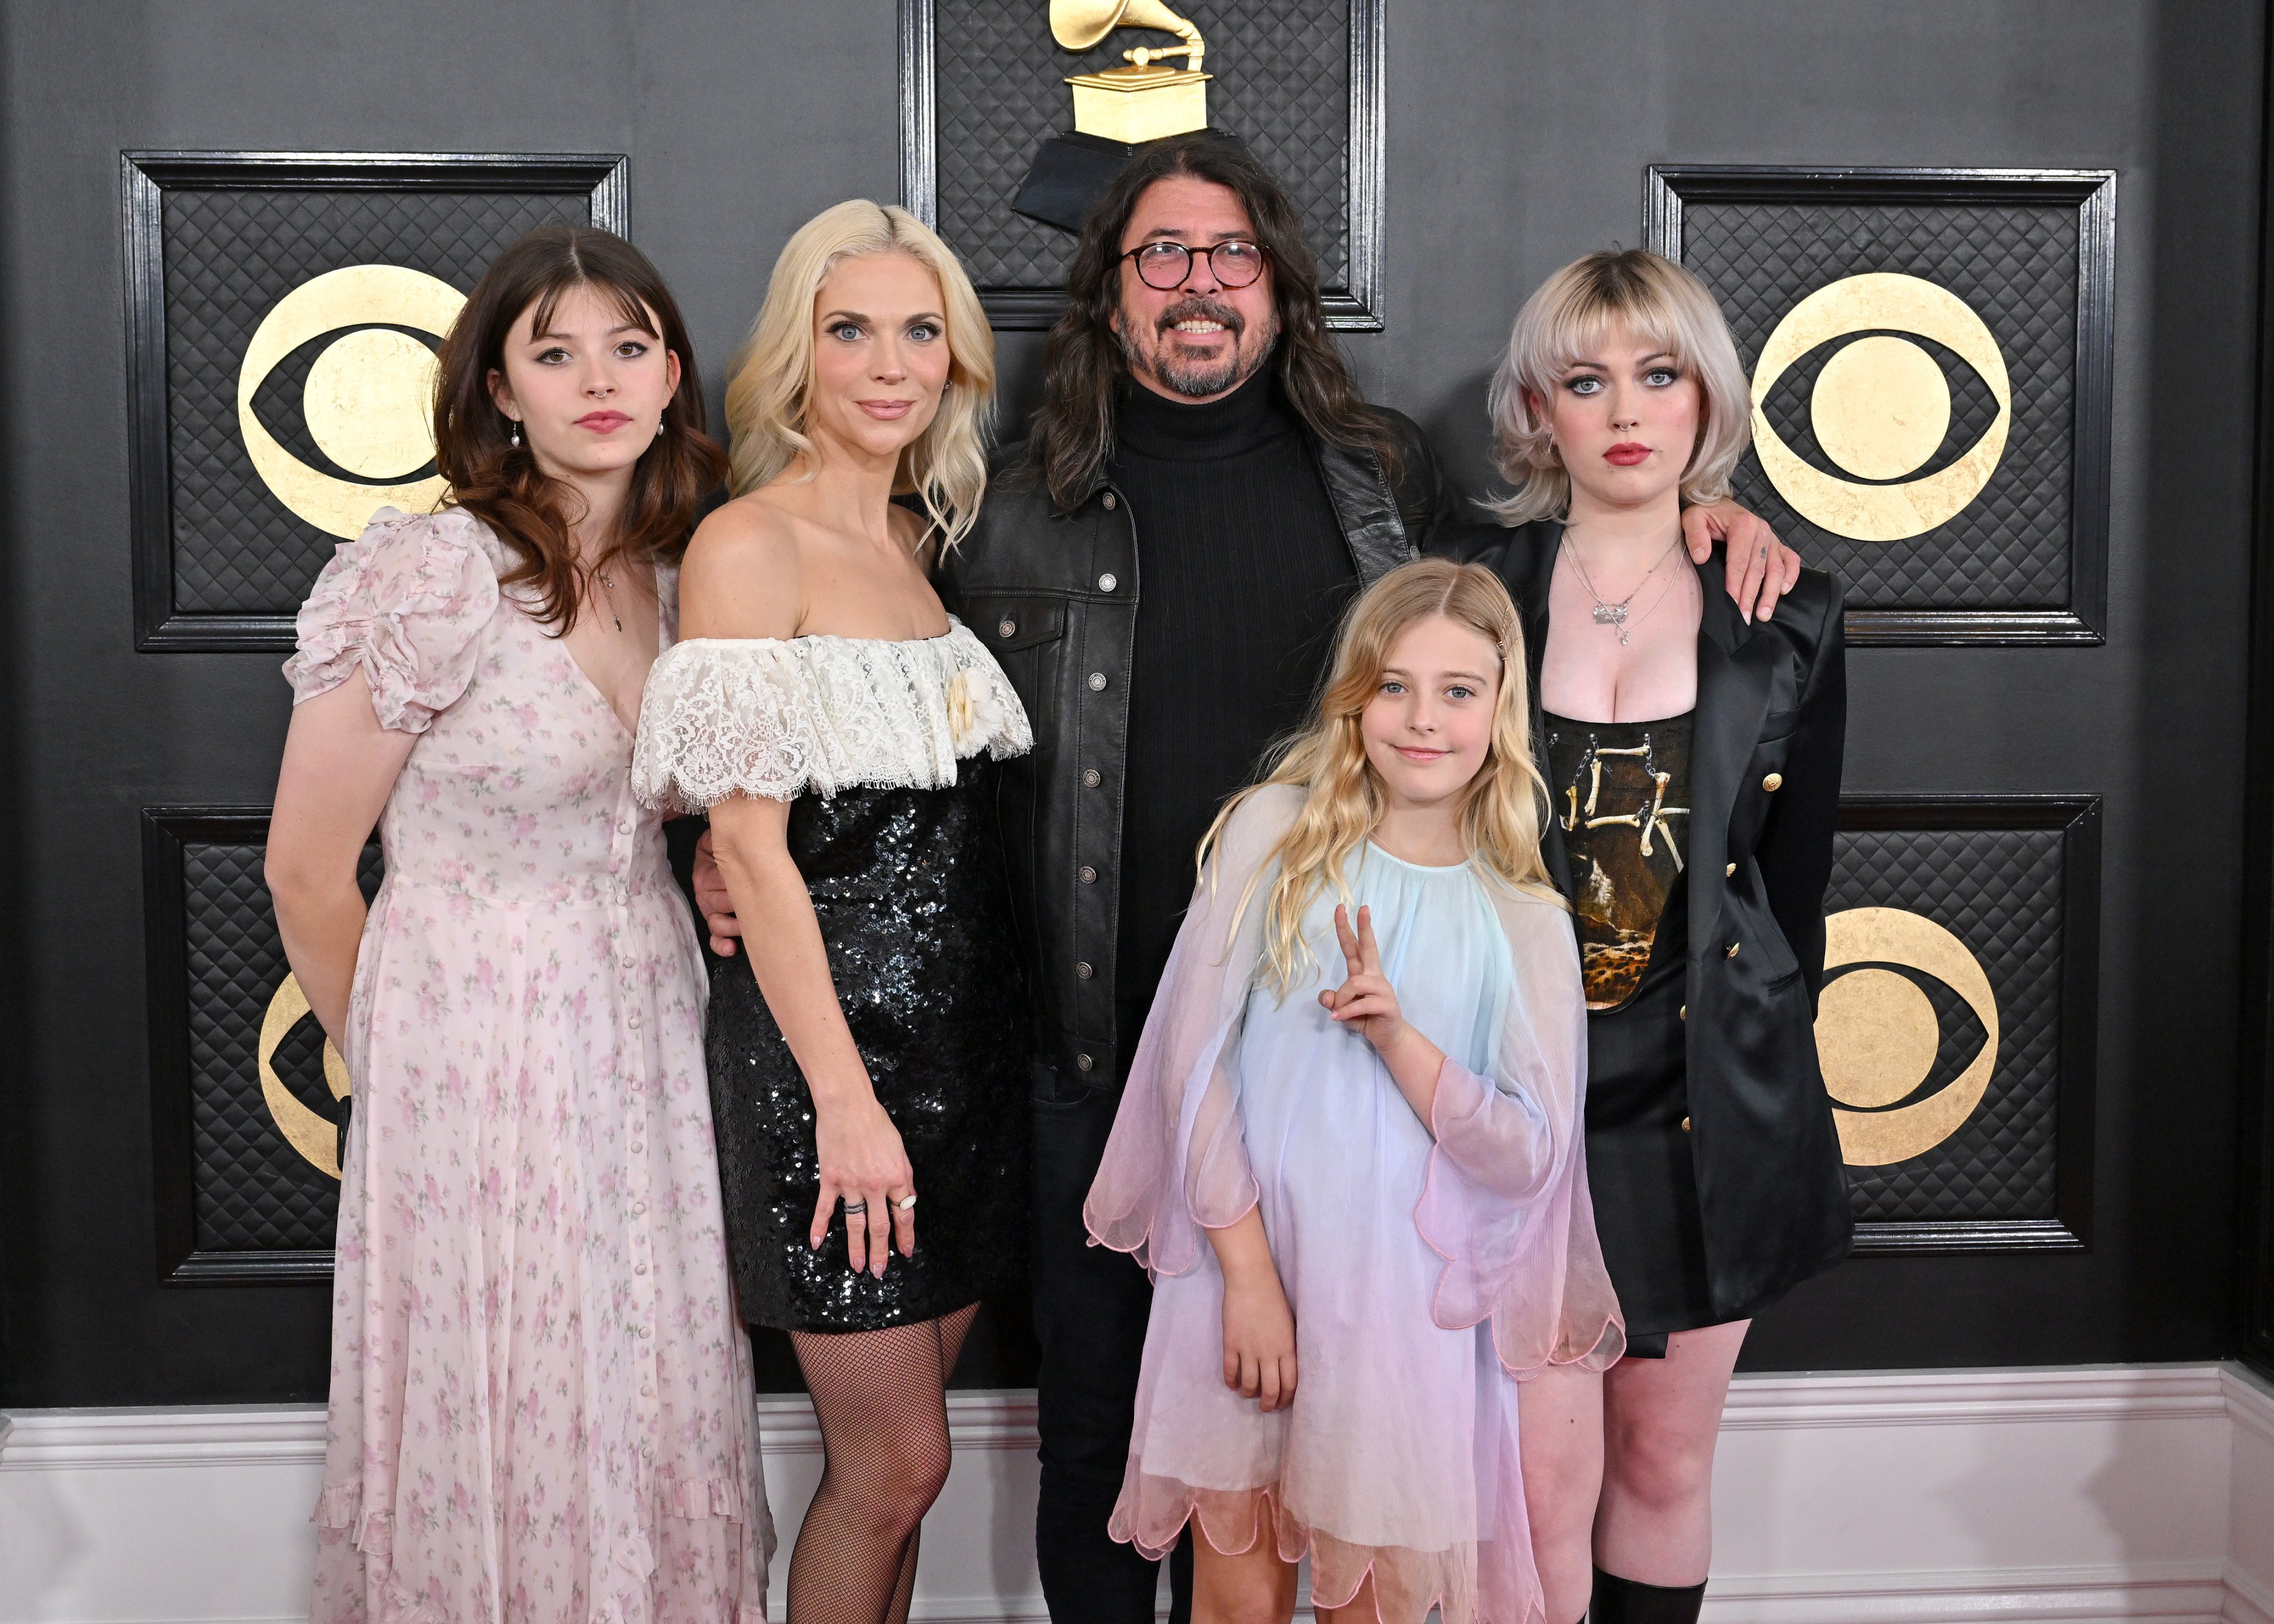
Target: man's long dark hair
[{"x": 1083, "y": 363}]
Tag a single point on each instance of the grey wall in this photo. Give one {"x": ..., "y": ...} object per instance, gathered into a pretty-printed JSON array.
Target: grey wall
[{"x": 1518, "y": 131}]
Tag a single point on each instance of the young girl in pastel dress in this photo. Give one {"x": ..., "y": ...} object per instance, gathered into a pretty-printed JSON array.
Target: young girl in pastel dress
[{"x": 1350, "y": 1151}]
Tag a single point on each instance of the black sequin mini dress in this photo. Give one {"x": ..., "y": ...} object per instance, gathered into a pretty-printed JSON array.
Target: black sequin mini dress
[{"x": 886, "y": 753}]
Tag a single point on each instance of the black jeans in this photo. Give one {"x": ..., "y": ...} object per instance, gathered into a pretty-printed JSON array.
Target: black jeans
[{"x": 1090, "y": 1306}]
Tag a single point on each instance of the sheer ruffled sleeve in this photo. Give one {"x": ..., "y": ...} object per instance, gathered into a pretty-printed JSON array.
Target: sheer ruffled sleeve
[
  {"x": 1175, "y": 1162},
  {"x": 406, "y": 604},
  {"x": 1506, "y": 1203},
  {"x": 725, "y": 718}
]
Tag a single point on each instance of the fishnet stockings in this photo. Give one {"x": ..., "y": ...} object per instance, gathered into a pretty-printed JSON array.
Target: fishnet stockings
[{"x": 881, "y": 1398}]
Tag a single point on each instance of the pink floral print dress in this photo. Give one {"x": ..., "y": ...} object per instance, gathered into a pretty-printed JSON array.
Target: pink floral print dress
[{"x": 541, "y": 1403}]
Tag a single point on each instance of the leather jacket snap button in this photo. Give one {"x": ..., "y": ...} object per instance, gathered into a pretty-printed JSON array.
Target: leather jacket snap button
[
  {"x": 1107, "y": 583},
  {"x": 1774, "y": 782},
  {"x": 1083, "y": 1062},
  {"x": 1081, "y": 968},
  {"x": 1091, "y": 778},
  {"x": 1685, "y": 1124},
  {"x": 1007, "y": 628},
  {"x": 1733, "y": 950},
  {"x": 1684, "y": 1012},
  {"x": 1728, "y": 869},
  {"x": 1088, "y": 875},
  {"x": 1097, "y": 682},
  {"x": 1111, "y": 502}
]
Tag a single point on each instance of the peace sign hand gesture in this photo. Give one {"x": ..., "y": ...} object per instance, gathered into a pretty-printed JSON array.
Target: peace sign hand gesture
[{"x": 1366, "y": 998}]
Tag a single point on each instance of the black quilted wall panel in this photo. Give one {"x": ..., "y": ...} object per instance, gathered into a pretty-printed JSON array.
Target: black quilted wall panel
[
  {"x": 2016, "y": 265},
  {"x": 229, "y": 256},
  {"x": 2001, "y": 892},
  {"x": 1282, "y": 84},
  {"x": 252, "y": 1192}
]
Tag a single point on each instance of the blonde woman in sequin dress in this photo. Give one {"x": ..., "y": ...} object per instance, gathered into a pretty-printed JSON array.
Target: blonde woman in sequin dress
[{"x": 868, "y": 1048}]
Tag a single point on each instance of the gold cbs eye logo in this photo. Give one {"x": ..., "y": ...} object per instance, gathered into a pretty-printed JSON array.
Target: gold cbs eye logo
[
  {"x": 369, "y": 399},
  {"x": 1878, "y": 1035},
  {"x": 315, "y": 1139},
  {"x": 1881, "y": 407}
]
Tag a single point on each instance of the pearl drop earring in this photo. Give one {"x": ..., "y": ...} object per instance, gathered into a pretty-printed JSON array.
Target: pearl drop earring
[{"x": 516, "y": 435}]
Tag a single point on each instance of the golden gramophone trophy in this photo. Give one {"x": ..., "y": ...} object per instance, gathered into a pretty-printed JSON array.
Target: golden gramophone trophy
[
  {"x": 1144, "y": 100},
  {"x": 1116, "y": 110}
]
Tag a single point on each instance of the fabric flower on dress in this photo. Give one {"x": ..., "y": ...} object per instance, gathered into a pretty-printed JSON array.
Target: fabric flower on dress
[{"x": 975, "y": 709}]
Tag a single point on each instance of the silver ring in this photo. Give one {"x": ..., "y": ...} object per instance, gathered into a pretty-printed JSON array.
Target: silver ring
[
  {"x": 854, "y": 1209},
  {"x": 906, "y": 1204}
]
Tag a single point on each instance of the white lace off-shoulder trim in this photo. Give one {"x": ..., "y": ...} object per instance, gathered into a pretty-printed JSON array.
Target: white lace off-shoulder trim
[{"x": 776, "y": 717}]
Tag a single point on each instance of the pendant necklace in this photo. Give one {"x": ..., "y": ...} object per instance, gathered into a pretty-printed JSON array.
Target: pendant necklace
[
  {"x": 610, "y": 587},
  {"x": 1614, "y": 614}
]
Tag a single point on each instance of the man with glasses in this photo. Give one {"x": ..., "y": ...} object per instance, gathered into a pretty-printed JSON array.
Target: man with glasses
[{"x": 1159, "y": 569}]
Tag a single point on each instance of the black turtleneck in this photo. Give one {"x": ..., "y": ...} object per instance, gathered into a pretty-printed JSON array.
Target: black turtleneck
[{"x": 1242, "y": 573}]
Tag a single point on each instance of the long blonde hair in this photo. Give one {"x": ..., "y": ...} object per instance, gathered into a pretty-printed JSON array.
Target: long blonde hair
[
  {"x": 769, "y": 394},
  {"x": 1501, "y": 809},
  {"x": 1659, "y": 302}
]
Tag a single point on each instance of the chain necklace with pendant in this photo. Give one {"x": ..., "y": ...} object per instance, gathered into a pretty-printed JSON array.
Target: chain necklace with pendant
[{"x": 1614, "y": 614}]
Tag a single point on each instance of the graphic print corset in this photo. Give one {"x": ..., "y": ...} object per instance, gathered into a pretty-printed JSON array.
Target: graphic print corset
[{"x": 1621, "y": 795}]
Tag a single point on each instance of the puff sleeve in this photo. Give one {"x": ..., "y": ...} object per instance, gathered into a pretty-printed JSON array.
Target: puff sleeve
[
  {"x": 1175, "y": 1162},
  {"x": 406, "y": 603},
  {"x": 1506, "y": 1202}
]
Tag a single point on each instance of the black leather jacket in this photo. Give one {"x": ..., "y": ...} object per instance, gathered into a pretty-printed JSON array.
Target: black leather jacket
[
  {"x": 1054, "y": 597},
  {"x": 1765, "y": 759}
]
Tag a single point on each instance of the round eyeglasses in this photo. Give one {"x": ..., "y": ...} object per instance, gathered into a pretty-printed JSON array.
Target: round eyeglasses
[{"x": 1168, "y": 266}]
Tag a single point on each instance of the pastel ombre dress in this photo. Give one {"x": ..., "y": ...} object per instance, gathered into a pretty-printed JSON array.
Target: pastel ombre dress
[
  {"x": 541, "y": 1404},
  {"x": 1429, "y": 1266}
]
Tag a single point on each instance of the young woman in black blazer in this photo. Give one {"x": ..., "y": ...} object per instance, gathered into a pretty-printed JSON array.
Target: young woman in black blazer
[{"x": 1693, "y": 754}]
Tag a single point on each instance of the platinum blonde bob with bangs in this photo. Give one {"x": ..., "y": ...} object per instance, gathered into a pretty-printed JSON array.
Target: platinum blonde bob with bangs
[
  {"x": 770, "y": 392},
  {"x": 1502, "y": 809},
  {"x": 1656, "y": 300}
]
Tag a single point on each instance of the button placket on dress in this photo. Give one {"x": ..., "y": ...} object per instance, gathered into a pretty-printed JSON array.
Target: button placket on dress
[{"x": 639, "y": 1112}]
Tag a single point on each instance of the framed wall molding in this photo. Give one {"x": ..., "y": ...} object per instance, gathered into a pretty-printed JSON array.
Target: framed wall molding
[
  {"x": 262, "y": 286},
  {"x": 247, "y": 1100},
  {"x": 1301, "y": 81},
  {"x": 1972, "y": 927},
  {"x": 1932, "y": 355},
  {"x": 2253, "y": 1277}
]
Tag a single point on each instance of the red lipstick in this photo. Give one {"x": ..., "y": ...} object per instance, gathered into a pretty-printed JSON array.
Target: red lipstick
[
  {"x": 602, "y": 422},
  {"x": 1626, "y": 454}
]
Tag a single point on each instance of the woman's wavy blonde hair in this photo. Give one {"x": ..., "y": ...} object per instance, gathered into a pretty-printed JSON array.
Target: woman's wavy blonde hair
[
  {"x": 1501, "y": 809},
  {"x": 770, "y": 394},
  {"x": 1659, "y": 303}
]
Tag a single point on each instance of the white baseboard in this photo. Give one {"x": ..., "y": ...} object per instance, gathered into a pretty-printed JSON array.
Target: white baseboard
[
  {"x": 1926, "y": 1497},
  {"x": 2178, "y": 1592},
  {"x": 2247, "y": 1601},
  {"x": 2250, "y": 1499}
]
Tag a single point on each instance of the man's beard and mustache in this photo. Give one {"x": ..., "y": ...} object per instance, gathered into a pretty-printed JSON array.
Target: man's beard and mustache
[{"x": 1198, "y": 377}]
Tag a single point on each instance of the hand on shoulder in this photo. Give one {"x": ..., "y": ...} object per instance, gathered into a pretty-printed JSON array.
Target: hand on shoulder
[{"x": 741, "y": 577}]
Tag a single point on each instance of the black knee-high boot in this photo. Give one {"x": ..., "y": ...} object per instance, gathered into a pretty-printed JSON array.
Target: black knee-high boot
[{"x": 1630, "y": 1601}]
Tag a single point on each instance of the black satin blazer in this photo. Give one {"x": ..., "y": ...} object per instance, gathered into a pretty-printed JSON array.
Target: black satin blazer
[{"x": 1764, "y": 789}]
